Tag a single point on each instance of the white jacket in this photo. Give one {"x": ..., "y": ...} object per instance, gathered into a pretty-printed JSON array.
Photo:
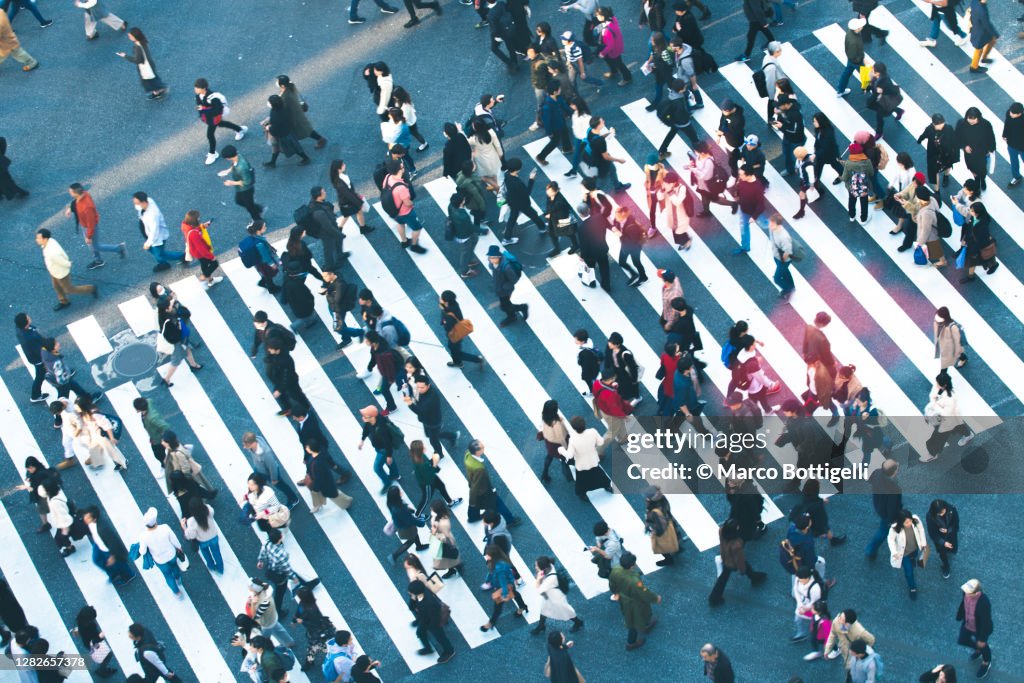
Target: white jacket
[
  {"x": 386, "y": 84},
  {"x": 898, "y": 542},
  {"x": 805, "y": 595},
  {"x": 60, "y": 515},
  {"x": 554, "y": 605},
  {"x": 154, "y": 224},
  {"x": 943, "y": 406},
  {"x": 583, "y": 448},
  {"x": 161, "y": 543}
]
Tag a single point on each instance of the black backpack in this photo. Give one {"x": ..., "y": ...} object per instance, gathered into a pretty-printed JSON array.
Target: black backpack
[
  {"x": 304, "y": 219},
  {"x": 761, "y": 83},
  {"x": 943, "y": 225},
  {"x": 564, "y": 582},
  {"x": 387, "y": 198}
]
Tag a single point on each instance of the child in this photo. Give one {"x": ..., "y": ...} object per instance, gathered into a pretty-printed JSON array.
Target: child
[{"x": 821, "y": 626}]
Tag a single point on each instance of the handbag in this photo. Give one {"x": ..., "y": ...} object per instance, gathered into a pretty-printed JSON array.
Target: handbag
[
  {"x": 279, "y": 517},
  {"x": 164, "y": 347},
  {"x": 961, "y": 259},
  {"x": 462, "y": 329},
  {"x": 991, "y": 163},
  {"x": 434, "y": 582},
  {"x": 926, "y": 552},
  {"x": 920, "y": 258},
  {"x": 988, "y": 252},
  {"x": 182, "y": 562},
  {"x": 449, "y": 551},
  {"x": 99, "y": 652},
  {"x": 496, "y": 595},
  {"x": 389, "y": 529},
  {"x": 436, "y": 549}
]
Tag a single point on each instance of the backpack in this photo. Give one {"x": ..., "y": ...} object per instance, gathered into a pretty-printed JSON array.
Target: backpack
[
  {"x": 761, "y": 83},
  {"x": 859, "y": 184},
  {"x": 719, "y": 179},
  {"x": 515, "y": 265},
  {"x": 115, "y": 425},
  {"x": 943, "y": 225},
  {"x": 287, "y": 657},
  {"x": 223, "y": 103},
  {"x": 402, "y": 336},
  {"x": 397, "y": 435},
  {"x": 788, "y": 557},
  {"x": 564, "y": 582},
  {"x": 387, "y": 198},
  {"x": 727, "y": 349},
  {"x": 248, "y": 252},
  {"x": 328, "y": 669},
  {"x": 883, "y": 158},
  {"x": 703, "y": 62},
  {"x": 304, "y": 219}
]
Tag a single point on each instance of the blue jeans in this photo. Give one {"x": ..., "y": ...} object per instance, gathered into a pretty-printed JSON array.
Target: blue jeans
[
  {"x": 1015, "y": 157},
  {"x": 119, "y": 570},
  {"x": 761, "y": 220},
  {"x": 577, "y": 154},
  {"x": 164, "y": 256},
  {"x": 783, "y": 278},
  {"x": 354, "y": 7},
  {"x": 777, "y": 7},
  {"x": 844, "y": 78},
  {"x": 172, "y": 575},
  {"x": 380, "y": 463},
  {"x": 210, "y": 550},
  {"x": 880, "y": 535},
  {"x": 30, "y": 5},
  {"x": 909, "y": 561},
  {"x": 98, "y": 246},
  {"x": 787, "y": 156},
  {"x": 937, "y": 18}
]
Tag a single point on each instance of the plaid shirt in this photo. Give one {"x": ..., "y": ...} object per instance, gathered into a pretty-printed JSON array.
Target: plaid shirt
[{"x": 275, "y": 558}]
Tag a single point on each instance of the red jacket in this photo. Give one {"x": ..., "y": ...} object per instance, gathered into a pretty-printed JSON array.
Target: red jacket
[
  {"x": 609, "y": 402},
  {"x": 88, "y": 217},
  {"x": 668, "y": 367},
  {"x": 197, "y": 244}
]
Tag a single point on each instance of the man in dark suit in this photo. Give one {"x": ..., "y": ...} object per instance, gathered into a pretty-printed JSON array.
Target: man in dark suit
[
  {"x": 108, "y": 551},
  {"x": 308, "y": 427}
]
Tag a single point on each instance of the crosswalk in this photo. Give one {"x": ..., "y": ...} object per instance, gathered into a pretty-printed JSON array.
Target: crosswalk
[{"x": 881, "y": 306}]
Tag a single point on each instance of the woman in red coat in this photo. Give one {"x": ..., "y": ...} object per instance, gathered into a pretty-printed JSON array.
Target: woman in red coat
[{"x": 197, "y": 241}]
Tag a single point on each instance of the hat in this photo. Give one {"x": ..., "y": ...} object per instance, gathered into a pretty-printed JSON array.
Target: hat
[
  {"x": 919, "y": 178},
  {"x": 857, "y": 23},
  {"x": 774, "y": 47},
  {"x": 666, "y": 274},
  {"x": 734, "y": 398},
  {"x": 751, "y": 140},
  {"x": 493, "y": 250},
  {"x": 567, "y": 35},
  {"x": 653, "y": 158},
  {"x": 972, "y": 586},
  {"x": 727, "y": 105},
  {"x": 822, "y": 318},
  {"x": 369, "y": 411},
  {"x": 855, "y": 148},
  {"x": 149, "y": 517}
]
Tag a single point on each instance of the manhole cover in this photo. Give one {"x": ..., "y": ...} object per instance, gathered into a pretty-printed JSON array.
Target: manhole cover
[{"x": 134, "y": 360}]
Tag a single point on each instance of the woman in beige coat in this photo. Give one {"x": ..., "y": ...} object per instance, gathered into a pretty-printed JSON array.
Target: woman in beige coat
[
  {"x": 949, "y": 341},
  {"x": 441, "y": 529},
  {"x": 97, "y": 433},
  {"x": 846, "y": 629},
  {"x": 555, "y": 437},
  {"x": 584, "y": 449},
  {"x": 927, "y": 228}
]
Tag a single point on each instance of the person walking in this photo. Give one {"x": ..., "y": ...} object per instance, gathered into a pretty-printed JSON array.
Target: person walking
[
  {"x": 942, "y": 150},
  {"x": 631, "y": 239},
  {"x": 278, "y": 126},
  {"x": 677, "y": 199},
  {"x": 944, "y": 416},
  {"x": 179, "y": 458},
  {"x": 142, "y": 58},
  {"x": 172, "y": 326},
  {"x": 583, "y": 451},
  {"x": 14, "y": 6},
  {"x": 31, "y": 343},
  {"x": 150, "y": 654},
  {"x": 717, "y": 666},
  {"x": 83, "y": 209},
  {"x": 429, "y": 620},
  {"x": 974, "y": 135},
  {"x": 758, "y": 14},
  {"x": 255, "y": 249},
  {"x": 381, "y": 433},
  {"x": 96, "y": 433},
  {"x": 456, "y": 328},
  {"x": 199, "y": 247},
  {"x": 907, "y": 543},
  {"x": 983, "y": 35},
  {"x": 555, "y": 437},
  {"x": 949, "y": 340},
  {"x": 426, "y": 471},
  {"x": 733, "y": 559},
  {"x": 1013, "y": 136},
  {"x": 295, "y": 106},
  {"x": 154, "y": 226},
  {"x": 853, "y": 46},
  {"x": 350, "y": 202},
  {"x": 507, "y": 271},
  {"x": 94, "y": 12},
  {"x": 483, "y": 497},
  {"x": 199, "y": 526},
  {"x": 212, "y": 108},
  {"x": 261, "y": 604},
  {"x": 560, "y": 221},
  {"x": 782, "y": 249},
  {"x": 943, "y": 522},
  {"x": 163, "y": 548},
  {"x": 446, "y": 550},
  {"x": 501, "y": 579},
  {"x": 243, "y": 179},
  {"x": 927, "y": 219},
  {"x": 58, "y": 265},
  {"x": 10, "y": 46},
  {"x": 750, "y": 196},
  {"x": 846, "y": 629},
  {"x": 857, "y": 174},
  {"x": 887, "y": 499},
  {"x": 675, "y": 114},
  {"x": 555, "y": 605},
  {"x": 975, "y": 613},
  {"x": 517, "y": 198},
  {"x": 976, "y": 238},
  {"x": 635, "y": 600},
  {"x": 87, "y": 628},
  {"x": 554, "y": 116},
  {"x": 865, "y": 663},
  {"x": 427, "y": 407},
  {"x": 59, "y": 373},
  {"x": 320, "y": 478},
  {"x": 612, "y": 45},
  {"x": 401, "y": 196}
]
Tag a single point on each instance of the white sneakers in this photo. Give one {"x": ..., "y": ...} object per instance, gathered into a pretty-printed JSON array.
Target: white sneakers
[
  {"x": 833, "y": 655},
  {"x": 927, "y": 457},
  {"x": 811, "y": 656},
  {"x": 213, "y": 281},
  {"x": 211, "y": 157},
  {"x": 927, "y": 42},
  {"x": 961, "y": 40},
  {"x": 534, "y": 126},
  {"x": 241, "y": 134},
  {"x": 843, "y": 93},
  {"x": 964, "y": 440}
]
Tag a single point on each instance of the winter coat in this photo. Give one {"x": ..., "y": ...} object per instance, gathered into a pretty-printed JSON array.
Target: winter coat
[
  {"x": 948, "y": 345},
  {"x": 666, "y": 542},
  {"x": 982, "y": 30},
  {"x": 635, "y": 599},
  {"x": 980, "y": 138},
  {"x": 772, "y": 73},
  {"x": 481, "y": 491},
  {"x": 473, "y": 189},
  {"x": 982, "y": 617},
  {"x": 733, "y": 127},
  {"x": 951, "y": 523},
  {"x": 555, "y": 605},
  {"x": 942, "y": 407},
  {"x": 456, "y": 152},
  {"x": 898, "y": 541},
  {"x": 757, "y": 11},
  {"x": 857, "y": 163},
  {"x": 60, "y": 516},
  {"x": 554, "y": 113},
  {"x": 298, "y": 297},
  {"x": 826, "y": 148},
  {"x": 673, "y": 290},
  {"x": 487, "y": 155},
  {"x": 505, "y": 278},
  {"x": 927, "y": 222},
  {"x": 842, "y": 635},
  {"x": 300, "y": 125},
  {"x": 854, "y": 47},
  {"x": 611, "y": 39}
]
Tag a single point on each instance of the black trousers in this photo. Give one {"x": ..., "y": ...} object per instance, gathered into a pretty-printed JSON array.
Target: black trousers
[
  {"x": 513, "y": 219},
  {"x": 246, "y": 200},
  {"x": 510, "y": 309},
  {"x": 752, "y": 30},
  {"x": 427, "y": 494},
  {"x": 706, "y": 199},
  {"x": 510, "y": 60},
  {"x": 819, "y": 166},
  {"x": 723, "y": 579},
  {"x": 604, "y": 271},
  {"x": 499, "y": 607},
  {"x": 435, "y": 435},
  {"x": 211, "y": 132},
  {"x": 412, "y": 5},
  {"x": 560, "y": 138},
  {"x": 851, "y": 206},
  {"x": 673, "y": 131},
  {"x": 627, "y": 254},
  {"x": 574, "y": 241},
  {"x": 37, "y": 380},
  {"x": 616, "y": 65},
  {"x": 460, "y": 356},
  {"x": 437, "y": 632}
]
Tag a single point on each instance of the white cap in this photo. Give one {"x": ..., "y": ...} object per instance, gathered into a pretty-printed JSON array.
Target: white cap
[
  {"x": 149, "y": 517},
  {"x": 972, "y": 586},
  {"x": 857, "y": 23}
]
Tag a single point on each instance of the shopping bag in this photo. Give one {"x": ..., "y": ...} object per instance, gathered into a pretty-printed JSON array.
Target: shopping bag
[
  {"x": 718, "y": 565},
  {"x": 182, "y": 562},
  {"x": 991, "y": 163},
  {"x": 961, "y": 259},
  {"x": 865, "y": 77},
  {"x": 586, "y": 275},
  {"x": 920, "y": 258}
]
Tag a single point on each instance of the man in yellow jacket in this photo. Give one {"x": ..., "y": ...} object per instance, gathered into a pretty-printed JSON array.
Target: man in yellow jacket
[{"x": 58, "y": 265}]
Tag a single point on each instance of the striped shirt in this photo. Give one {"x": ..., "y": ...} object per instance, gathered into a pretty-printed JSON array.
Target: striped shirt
[{"x": 573, "y": 52}]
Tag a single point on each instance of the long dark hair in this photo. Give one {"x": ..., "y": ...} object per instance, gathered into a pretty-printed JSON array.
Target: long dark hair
[
  {"x": 136, "y": 33},
  {"x": 335, "y": 169},
  {"x": 451, "y": 304},
  {"x": 481, "y": 131},
  {"x": 549, "y": 414},
  {"x": 824, "y": 123},
  {"x": 295, "y": 245},
  {"x": 198, "y": 511},
  {"x": 401, "y": 95}
]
